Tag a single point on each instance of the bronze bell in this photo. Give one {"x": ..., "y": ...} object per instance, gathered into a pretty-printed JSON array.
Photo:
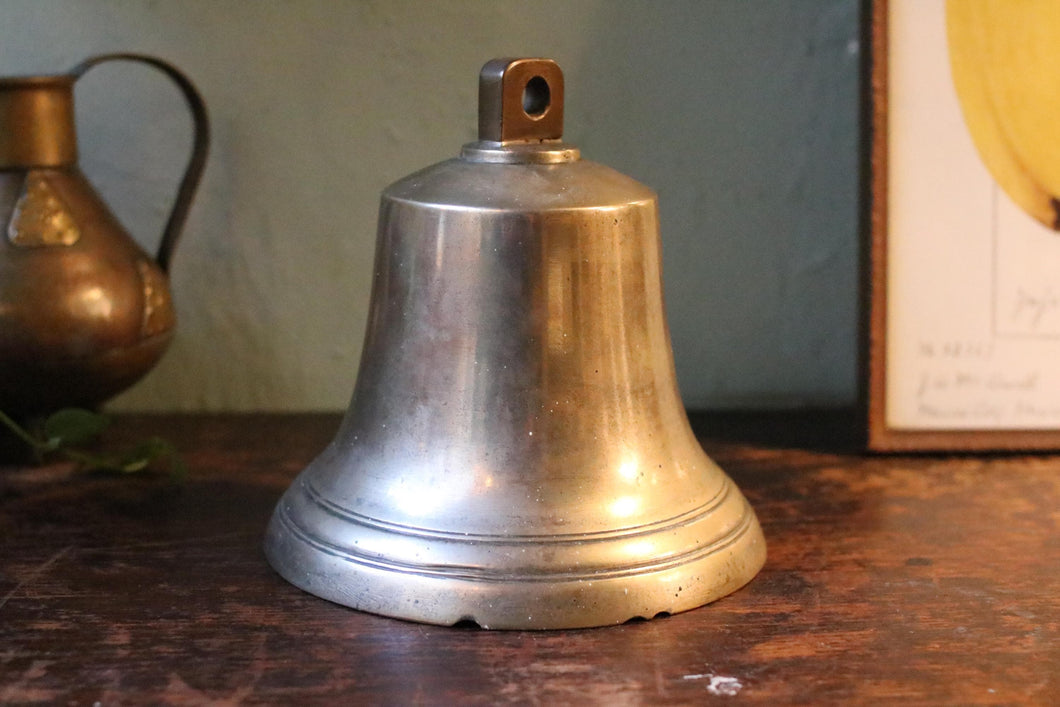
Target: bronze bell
[
  {"x": 516, "y": 453},
  {"x": 84, "y": 311}
]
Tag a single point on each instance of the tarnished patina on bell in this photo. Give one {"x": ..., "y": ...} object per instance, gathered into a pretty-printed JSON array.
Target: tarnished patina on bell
[{"x": 516, "y": 452}]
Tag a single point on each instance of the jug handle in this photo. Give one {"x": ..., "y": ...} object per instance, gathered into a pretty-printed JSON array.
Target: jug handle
[{"x": 200, "y": 145}]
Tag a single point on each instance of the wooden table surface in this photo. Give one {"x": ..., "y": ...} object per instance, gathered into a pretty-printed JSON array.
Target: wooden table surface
[{"x": 925, "y": 580}]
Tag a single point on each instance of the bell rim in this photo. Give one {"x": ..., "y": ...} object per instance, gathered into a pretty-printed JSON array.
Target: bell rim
[
  {"x": 509, "y": 597},
  {"x": 520, "y": 605}
]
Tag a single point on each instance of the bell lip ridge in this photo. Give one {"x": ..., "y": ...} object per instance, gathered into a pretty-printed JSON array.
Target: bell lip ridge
[{"x": 445, "y": 595}]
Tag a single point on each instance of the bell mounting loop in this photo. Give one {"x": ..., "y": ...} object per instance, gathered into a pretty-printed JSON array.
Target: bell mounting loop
[
  {"x": 520, "y": 101},
  {"x": 520, "y": 114}
]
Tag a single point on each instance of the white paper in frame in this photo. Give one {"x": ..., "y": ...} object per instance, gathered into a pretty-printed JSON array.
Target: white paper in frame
[{"x": 964, "y": 257}]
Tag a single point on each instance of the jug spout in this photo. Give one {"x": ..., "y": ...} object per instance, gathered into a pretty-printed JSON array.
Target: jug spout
[{"x": 37, "y": 122}]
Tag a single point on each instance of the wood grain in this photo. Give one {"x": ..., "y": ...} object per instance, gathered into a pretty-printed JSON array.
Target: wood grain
[{"x": 924, "y": 579}]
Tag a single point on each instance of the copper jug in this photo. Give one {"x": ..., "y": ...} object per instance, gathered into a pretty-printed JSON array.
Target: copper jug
[
  {"x": 84, "y": 311},
  {"x": 516, "y": 453}
]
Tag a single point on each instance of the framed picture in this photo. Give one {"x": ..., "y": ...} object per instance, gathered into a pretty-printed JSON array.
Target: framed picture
[{"x": 963, "y": 264}]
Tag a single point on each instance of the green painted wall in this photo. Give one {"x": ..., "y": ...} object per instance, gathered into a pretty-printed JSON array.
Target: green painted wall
[{"x": 740, "y": 113}]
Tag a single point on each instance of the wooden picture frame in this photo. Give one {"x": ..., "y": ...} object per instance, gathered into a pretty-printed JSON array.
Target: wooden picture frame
[{"x": 954, "y": 358}]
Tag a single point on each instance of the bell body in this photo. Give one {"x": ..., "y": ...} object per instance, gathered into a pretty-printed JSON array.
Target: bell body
[
  {"x": 515, "y": 452},
  {"x": 84, "y": 311}
]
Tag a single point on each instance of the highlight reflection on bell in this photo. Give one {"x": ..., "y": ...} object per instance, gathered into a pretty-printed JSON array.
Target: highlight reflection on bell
[{"x": 516, "y": 452}]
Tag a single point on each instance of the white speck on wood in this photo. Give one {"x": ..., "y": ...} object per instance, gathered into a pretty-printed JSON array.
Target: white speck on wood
[{"x": 722, "y": 685}]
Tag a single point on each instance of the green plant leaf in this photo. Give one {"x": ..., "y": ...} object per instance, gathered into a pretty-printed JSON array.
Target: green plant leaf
[
  {"x": 73, "y": 426},
  {"x": 140, "y": 456},
  {"x": 59, "y": 434}
]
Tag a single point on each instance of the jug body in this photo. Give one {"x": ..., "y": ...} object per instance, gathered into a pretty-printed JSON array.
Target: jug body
[{"x": 85, "y": 312}]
